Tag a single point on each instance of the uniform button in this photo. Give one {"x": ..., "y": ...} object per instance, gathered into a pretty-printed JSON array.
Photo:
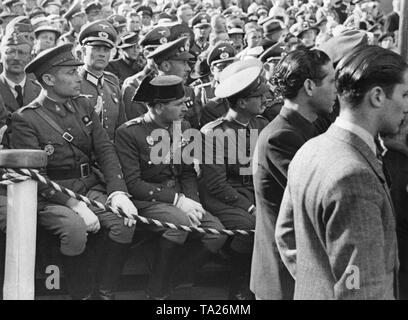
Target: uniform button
[
  {"x": 106, "y": 127},
  {"x": 69, "y": 129},
  {"x": 105, "y": 110},
  {"x": 149, "y": 162},
  {"x": 102, "y": 94},
  {"x": 150, "y": 192},
  {"x": 153, "y": 200}
]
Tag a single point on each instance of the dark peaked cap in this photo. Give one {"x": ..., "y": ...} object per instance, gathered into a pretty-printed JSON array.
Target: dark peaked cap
[
  {"x": 160, "y": 89},
  {"x": 60, "y": 56},
  {"x": 175, "y": 50}
]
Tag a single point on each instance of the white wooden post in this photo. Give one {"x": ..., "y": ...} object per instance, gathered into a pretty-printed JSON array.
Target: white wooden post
[{"x": 19, "y": 276}]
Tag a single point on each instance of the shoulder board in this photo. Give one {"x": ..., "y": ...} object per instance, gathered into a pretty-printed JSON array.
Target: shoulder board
[
  {"x": 211, "y": 125},
  {"x": 110, "y": 77},
  {"x": 134, "y": 121}
]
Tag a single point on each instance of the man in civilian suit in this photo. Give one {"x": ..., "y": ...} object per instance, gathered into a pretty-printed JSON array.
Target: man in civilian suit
[
  {"x": 16, "y": 88},
  {"x": 305, "y": 78},
  {"x": 336, "y": 225}
]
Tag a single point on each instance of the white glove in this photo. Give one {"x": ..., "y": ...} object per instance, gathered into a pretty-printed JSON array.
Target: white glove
[
  {"x": 90, "y": 219},
  {"x": 121, "y": 201},
  {"x": 190, "y": 206}
]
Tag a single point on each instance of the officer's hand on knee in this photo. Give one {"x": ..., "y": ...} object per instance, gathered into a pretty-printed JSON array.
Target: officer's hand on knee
[
  {"x": 121, "y": 201},
  {"x": 193, "y": 219}
]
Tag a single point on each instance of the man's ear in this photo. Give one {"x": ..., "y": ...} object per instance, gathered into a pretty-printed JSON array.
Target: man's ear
[
  {"x": 241, "y": 103},
  {"x": 309, "y": 86},
  {"x": 48, "y": 79},
  {"x": 376, "y": 96}
]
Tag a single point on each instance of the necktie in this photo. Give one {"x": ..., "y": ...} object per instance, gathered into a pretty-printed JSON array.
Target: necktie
[
  {"x": 19, "y": 97},
  {"x": 384, "y": 168}
]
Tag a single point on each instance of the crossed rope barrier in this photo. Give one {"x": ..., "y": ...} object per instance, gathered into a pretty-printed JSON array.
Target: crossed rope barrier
[{"x": 11, "y": 176}]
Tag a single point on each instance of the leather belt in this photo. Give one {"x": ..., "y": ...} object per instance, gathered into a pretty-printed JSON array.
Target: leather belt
[{"x": 83, "y": 171}]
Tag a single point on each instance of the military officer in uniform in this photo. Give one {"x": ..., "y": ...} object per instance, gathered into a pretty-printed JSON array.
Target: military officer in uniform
[
  {"x": 76, "y": 18},
  {"x": 149, "y": 43},
  {"x": 16, "y": 87},
  {"x": 201, "y": 26},
  {"x": 173, "y": 58},
  {"x": 129, "y": 63},
  {"x": 226, "y": 186},
  {"x": 222, "y": 55},
  {"x": 101, "y": 87},
  {"x": 65, "y": 125},
  {"x": 163, "y": 188}
]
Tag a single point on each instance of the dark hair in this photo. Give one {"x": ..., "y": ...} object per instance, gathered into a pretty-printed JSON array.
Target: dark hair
[
  {"x": 367, "y": 67},
  {"x": 297, "y": 66}
]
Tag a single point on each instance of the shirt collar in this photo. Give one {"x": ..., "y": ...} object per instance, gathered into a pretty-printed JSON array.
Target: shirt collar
[
  {"x": 359, "y": 131},
  {"x": 12, "y": 84},
  {"x": 93, "y": 78}
]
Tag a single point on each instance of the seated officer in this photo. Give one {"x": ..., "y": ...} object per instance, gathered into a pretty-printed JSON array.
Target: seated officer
[
  {"x": 222, "y": 55},
  {"x": 129, "y": 63},
  {"x": 65, "y": 125},
  {"x": 173, "y": 59},
  {"x": 166, "y": 190},
  {"x": 226, "y": 186},
  {"x": 101, "y": 87},
  {"x": 149, "y": 43}
]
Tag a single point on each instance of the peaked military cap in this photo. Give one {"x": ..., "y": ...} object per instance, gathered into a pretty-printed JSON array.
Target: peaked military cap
[
  {"x": 92, "y": 5},
  {"x": 60, "y": 56},
  {"x": 155, "y": 37},
  {"x": 274, "y": 52},
  {"x": 241, "y": 79},
  {"x": 221, "y": 52},
  {"x": 174, "y": 50},
  {"x": 99, "y": 32},
  {"x": 49, "y": 28},
  {"x": 201, "y": 19},
  {"x": 180, "y": 30},
  {"x": 160, "y": 89},
  {"x": 116, "y": 20},
  {"x": 73, "y": 10},
  {"x": 128, "y": 40},
  {"x": 201, "y": 69}
]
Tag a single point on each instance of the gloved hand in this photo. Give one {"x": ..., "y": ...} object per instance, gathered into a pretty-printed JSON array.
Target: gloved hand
[
  {"x": 190, "y": 207},
  {"x": 90, "y": 219},
  {"x": 121, "y": 201}
]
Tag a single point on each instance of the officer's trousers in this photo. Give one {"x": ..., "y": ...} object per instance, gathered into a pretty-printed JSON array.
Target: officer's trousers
[{"x": 169, "y": 213}]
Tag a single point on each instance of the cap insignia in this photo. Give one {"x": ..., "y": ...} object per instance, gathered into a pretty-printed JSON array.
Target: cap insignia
[{"x": 103, "y": 34}]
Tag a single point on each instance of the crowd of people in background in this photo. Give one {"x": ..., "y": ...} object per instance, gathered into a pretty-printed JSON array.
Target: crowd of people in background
[{"x": 89, "y": 81}]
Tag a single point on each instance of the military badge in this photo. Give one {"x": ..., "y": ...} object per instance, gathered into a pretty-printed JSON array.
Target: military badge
[
  {"x": 103, "y": 34},
  {"x": 49, "y": 149},
  {"x": 86, "y": 120},
  {"x": 163, "y": 40},
  {"x": 150, "y": 140},
  {"x": 224, "y": 55}
]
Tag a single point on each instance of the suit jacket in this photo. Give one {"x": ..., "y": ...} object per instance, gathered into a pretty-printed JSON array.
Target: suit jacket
[
  {"x": 336, "y": 225},
  {"x": 30, "y": 92},
  {"x": 276, "y": 147}
]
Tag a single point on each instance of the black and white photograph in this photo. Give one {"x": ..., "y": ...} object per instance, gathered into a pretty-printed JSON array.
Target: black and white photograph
[{"x": 199, "y": 157}]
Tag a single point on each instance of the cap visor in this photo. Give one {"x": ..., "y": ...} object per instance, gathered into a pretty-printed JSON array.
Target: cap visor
[
  {"x": 99, "y": 43},
  {"x": 183, "y": 56}
]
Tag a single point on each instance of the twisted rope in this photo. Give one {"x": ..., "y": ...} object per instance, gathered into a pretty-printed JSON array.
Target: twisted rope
[{"x": 12, "y": 176}]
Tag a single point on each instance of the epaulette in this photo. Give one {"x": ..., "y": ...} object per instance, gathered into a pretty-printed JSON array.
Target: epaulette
[
  {"x": 110, "y": 77},
  {"x": 134, "y": 121},
  {"x": 212, "y": 125}
]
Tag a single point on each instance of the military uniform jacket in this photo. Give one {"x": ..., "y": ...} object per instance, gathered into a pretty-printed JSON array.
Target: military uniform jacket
[
  {"x": 194, "y": 106},
  {"x": 123, "y": 68},
  {"x": 105, "y": 96},
  {"x": 29, "y": 130},
  {"x": 225, "y": 181},
  {"x": 147, "y": 179},
  {"x": 30, "y": 92}
]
